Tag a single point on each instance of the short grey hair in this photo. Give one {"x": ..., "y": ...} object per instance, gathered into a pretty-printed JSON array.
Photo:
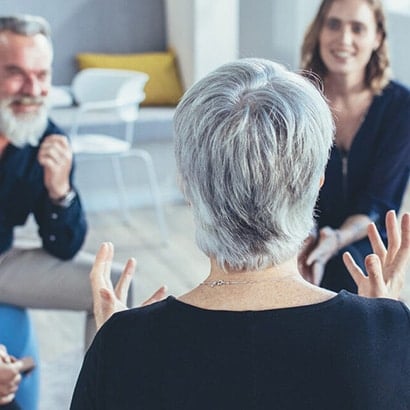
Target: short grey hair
[
  {"x": 26, "y": 25},
  {"x": 252, "y": 140}
]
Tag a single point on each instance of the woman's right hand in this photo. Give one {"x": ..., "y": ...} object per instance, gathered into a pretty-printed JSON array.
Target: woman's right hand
[
  {"x": 10, "y": 376},
  {"x": 386, "y": 268},
  {"x": 108, "y": 300},
  {"x": 326, "y": 246}
]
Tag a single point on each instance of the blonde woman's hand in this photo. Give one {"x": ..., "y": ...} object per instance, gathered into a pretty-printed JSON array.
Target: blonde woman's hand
[
  {"x": 386, "y": 268},
  {"x": 108, "y": 300},
  {"x": 308, "y": 246},
  {"x": 325, "y": 247}
]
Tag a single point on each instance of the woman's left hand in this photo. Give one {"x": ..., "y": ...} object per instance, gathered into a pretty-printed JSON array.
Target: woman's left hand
[{"x": 386, "y": 268}]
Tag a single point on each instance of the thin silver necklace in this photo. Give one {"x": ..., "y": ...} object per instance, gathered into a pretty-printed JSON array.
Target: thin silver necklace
[{"x": 222, "y": 282}]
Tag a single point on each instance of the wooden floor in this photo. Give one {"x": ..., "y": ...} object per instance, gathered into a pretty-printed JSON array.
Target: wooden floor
[{"x": 179, "y": 265}]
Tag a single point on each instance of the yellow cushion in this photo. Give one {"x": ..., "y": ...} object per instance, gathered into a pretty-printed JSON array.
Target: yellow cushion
[{"x": 164, "y": 85}]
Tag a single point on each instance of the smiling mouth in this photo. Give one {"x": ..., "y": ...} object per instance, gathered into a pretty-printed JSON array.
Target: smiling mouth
[
  {"x": 27, "y": 103},
  {"x": 342, "y": 54}
]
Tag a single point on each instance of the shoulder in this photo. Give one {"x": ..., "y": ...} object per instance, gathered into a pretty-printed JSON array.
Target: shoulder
[
  {"x": 379, "y": 313},
  {"x": 144, "y": 331},
  {"x": 390, "y": 113},
  {"x": 144, "y": 318},
  {"x": 396, "y": 91}
]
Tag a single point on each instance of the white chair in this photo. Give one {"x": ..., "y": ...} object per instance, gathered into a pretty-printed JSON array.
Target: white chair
[{"x": 115, "y": 93}]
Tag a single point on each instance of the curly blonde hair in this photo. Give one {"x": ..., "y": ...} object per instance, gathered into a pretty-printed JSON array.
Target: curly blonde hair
[{"x": 378, "y": 70}]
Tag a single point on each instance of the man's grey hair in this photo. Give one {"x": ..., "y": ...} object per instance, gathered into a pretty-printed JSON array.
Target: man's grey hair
[
  {"x": 26, "y": 25},
  {"x": 252, "y": 140}
]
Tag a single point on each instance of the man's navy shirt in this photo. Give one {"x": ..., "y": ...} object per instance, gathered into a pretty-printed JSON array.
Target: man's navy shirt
[{"x": 22, "y": 192}]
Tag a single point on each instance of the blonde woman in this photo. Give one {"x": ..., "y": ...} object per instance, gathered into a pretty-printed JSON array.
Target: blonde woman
[{"x": 369, "y": 163}]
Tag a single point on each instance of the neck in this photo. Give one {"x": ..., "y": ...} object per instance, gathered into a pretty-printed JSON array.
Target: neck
[
  {"x": 270, "y": 288},
  {"x": 280, "y": 272},
  {"x": 342, "y": 85}
]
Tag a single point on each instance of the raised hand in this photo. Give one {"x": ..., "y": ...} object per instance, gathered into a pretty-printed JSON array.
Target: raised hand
[
  {"x": 56, "y": 157},
  {"x": 107, "y": 299},
  {"x": 386, "y": 268}
]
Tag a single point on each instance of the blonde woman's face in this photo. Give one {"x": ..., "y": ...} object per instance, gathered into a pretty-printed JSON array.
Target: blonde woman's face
[{"x": 348, "y": 37}]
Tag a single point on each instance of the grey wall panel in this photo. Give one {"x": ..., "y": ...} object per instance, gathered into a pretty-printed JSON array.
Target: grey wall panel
[{"x": 119, "y": 26}]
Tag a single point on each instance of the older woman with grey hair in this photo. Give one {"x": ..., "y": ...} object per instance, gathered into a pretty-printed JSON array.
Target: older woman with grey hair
[{"x": 251, "y": 143}]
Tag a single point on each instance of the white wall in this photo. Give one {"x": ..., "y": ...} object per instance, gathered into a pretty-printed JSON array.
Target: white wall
[
  {"x": 180, "y": 35},
  {"x": 274, "y": 29},
  {"x": 256, "y": 28},
  {"x": 204, "y": 33},
  {"x": 398, "y": 34}
]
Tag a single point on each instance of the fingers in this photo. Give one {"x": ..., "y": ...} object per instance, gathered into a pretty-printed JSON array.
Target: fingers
[
  {"x": 400, "y": 260},
  {"x": 393, "y": 234},
  {"x": 405, "y": 229},
  {"x": 312, "y": 257},
  {"x": 318, "y": 270},
  {"x": 374, "y": 269},
  {"x": 10, "y": 379},
  {"x": 376, "y": 242},
  {"x": 7, "y": 399},
  {"x": 4, "y": 357},
  {"x": 100, "y": 271},
  {"x": 55, "y": 150},
  {"x": 355, "y": 272},
  {"x": 398, "y": 252},
  {"x": 106, "y": 307},
  {"x": 376, "y": 283},
  {"x": 107, "y": 265},
  {"x": 158, "y": 295},
  {"x": 385, "y": 268},
  {"x": 58, "y": 142},
  {"x": 372, "y": 285},
  {"x": 123, "y": 285},
  {"x": 316, "y": 255},
  {"x": 325, "y": 248}
]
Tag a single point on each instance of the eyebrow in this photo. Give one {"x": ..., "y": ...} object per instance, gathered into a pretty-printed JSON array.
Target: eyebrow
[
  {"x": 13, "y": 67},
  {"x": 330, "y": 17},
  {"x": 10, "y": 67}
]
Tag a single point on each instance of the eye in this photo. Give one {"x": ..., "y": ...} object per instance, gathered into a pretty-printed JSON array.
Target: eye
[
  {"x": 333, "y": 24},
  {"x": 358, "y": 28},
  {"x": 43, "y": 75},
  {"x": 14, "y": 72},
  {"x": 14, "y": 76}
]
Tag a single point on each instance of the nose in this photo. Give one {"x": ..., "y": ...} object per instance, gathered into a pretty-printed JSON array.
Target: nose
[
  {"x": 346, "y": 35},
  {"x": 32, "y": 86}
]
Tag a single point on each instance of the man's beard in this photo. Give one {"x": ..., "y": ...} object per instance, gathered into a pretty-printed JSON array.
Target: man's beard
[{"x": 24, "y": 128}]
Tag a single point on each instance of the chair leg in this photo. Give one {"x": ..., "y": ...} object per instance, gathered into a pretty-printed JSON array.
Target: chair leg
[
  {"x": 119, "y": 180},
  {"x": 155, "y": 192}
]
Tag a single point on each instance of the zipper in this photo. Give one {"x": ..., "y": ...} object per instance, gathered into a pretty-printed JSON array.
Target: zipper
[{"x": 345, "y": 160}]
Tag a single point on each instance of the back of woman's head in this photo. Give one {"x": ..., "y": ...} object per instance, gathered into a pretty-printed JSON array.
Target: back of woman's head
[
  {"x": 378, "y": 68},
  {"x": 251, "y": 144}
]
